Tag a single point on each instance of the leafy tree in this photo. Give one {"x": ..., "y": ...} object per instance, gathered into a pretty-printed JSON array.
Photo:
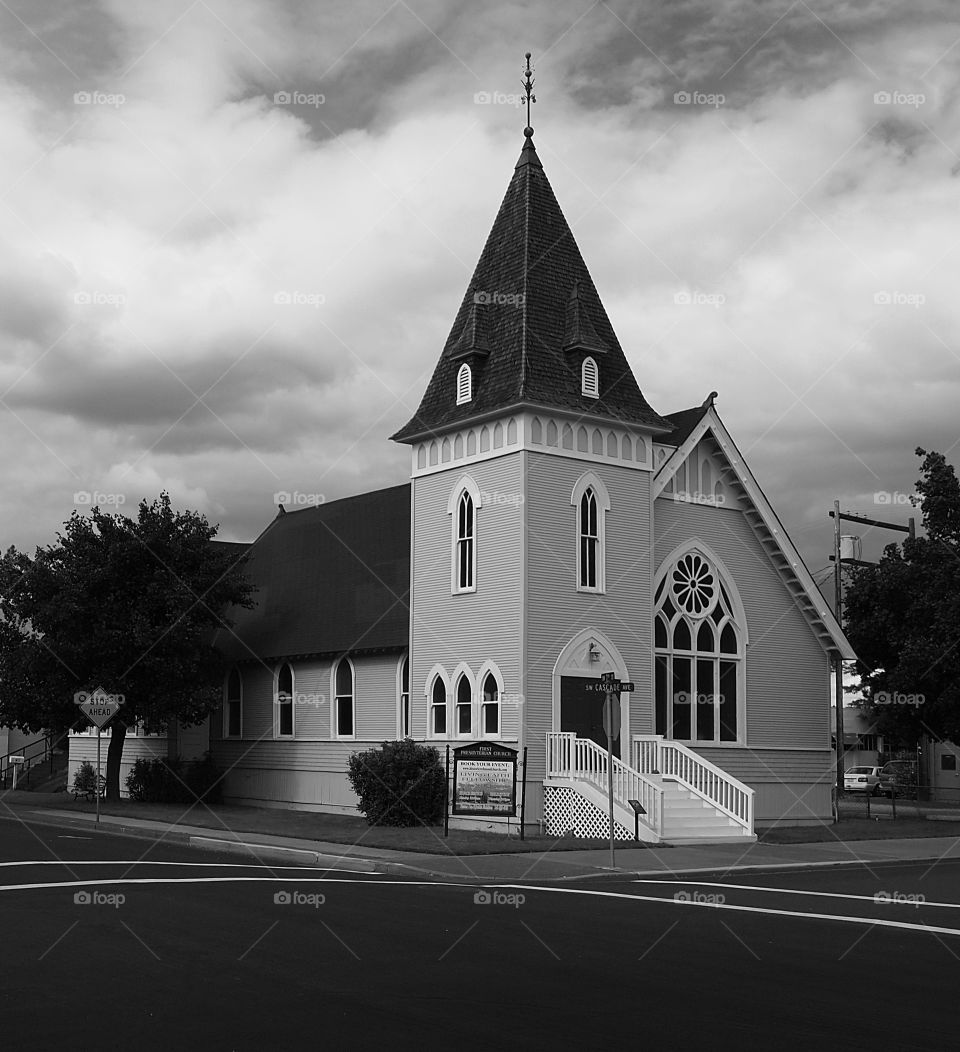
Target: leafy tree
[
  {"x": 129, "y": 605},
  {"x": 903, "y": 619}
]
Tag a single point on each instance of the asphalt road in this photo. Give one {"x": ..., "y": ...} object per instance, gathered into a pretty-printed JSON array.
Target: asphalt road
[{"x": 169, "y": 947}]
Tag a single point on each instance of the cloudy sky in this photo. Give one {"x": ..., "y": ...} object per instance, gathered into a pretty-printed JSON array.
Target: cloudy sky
[{"x": 766, "y": 193}]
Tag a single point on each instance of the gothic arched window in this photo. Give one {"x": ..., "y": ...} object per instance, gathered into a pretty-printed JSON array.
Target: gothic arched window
[{"x": 699, "y": 654}]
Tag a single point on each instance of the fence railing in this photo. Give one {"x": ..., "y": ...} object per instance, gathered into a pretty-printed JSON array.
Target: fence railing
[
  {"x": 583, "y": 759},
  {"x": 655, "y": 754}
]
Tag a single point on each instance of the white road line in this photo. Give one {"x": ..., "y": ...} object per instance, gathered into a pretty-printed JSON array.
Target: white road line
[
  {"x": 839, "y": 918},
  {"x": 795, "y": 891},
  {"x": 147, "y": 862}
]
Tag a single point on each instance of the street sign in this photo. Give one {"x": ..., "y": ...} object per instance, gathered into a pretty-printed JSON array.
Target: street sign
[
  {"x": 99, "y": 707},
  {"x": 608, "y": 683}
]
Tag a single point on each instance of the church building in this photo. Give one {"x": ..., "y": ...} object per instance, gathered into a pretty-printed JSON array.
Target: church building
[{"x": 555, "y": 528}]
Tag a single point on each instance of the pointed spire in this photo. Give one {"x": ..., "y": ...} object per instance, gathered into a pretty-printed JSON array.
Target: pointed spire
[
  {"x": 530, "y": 300},
  {"x": 579, "y": 333}
]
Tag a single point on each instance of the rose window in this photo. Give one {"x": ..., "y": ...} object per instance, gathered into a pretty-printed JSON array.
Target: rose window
[{"x": 694, "y": 585}]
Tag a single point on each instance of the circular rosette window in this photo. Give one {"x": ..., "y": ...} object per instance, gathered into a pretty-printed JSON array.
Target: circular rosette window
[{"x": 694, "y": 585}]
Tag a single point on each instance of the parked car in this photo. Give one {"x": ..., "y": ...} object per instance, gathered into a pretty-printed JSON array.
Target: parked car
[
  {"x": 862, "y": 780},
  {"x": 899, "y": 775}
]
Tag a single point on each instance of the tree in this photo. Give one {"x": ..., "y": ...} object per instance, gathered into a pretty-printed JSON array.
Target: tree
[
  {"x": 903, "y": 619},
  {"x": 128, "y": 605}
]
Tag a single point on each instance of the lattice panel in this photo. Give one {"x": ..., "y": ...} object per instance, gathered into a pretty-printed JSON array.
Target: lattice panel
[{"x": 565, "y": 811}]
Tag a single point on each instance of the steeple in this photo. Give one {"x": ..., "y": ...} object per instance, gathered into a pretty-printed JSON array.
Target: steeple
[{"x": 531, "y": 305}]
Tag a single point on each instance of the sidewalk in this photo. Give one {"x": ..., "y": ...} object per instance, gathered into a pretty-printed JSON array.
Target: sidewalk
[{"x": 508, "y": 866}]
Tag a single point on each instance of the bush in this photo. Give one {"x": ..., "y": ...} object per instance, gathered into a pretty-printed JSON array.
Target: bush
[
  {"x": 85, "y": 778},
  {"x": 163, "y": 781},
  {"x": 399, "y": 784}
]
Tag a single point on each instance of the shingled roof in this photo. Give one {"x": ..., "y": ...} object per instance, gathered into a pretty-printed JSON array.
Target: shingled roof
[
  {"x": 529, "y": 314},
  {"x": 330, "y": 579}
]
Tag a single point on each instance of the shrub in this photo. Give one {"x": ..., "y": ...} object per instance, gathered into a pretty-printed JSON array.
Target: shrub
[
  {"x": 163, "y": 781},
  {"x": 85, "y": 778},
  {"x": 399, "y": 784}
]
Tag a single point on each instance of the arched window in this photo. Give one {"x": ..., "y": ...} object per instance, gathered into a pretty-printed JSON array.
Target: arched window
[
  {"x": 438, "y": 708},
  {"x": 590, "y": 378},
  {"x": 464, "y": 384},
  {"x": 343, "y": 709},
  {"x": 233, "y": 707},
  {"x": 462, "y": 507},
  {"x": 464, "y": 723},
  {"x": 591, "y": 501},
  {"x": 490, "y": 711},
  {"x": 699, "y": 654},
  {"x": 284, "y": 720},
  {"x": 589, "y": 540},
  {"x": 403, "y": 712}
]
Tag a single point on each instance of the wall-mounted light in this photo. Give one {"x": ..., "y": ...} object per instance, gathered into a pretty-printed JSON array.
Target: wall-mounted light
[{"x": 593, "y": 652}]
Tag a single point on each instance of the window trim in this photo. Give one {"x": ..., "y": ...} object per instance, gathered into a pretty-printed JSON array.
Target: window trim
[
  {"x": 590, "y": 480},
  {"x": 276, "y": 703},
  {"x": 734, "y": 616},
  {"x": 226, "y": 706},
  {"x": 462, "y": 674},
  {"x": 593, "y": 389},
  {"x": 465, "y": 485},
  {"x": 437, "y": 673},
  {"x": 404, "y": 696},
  {"x": 335, "y": 708},
  {"x": 489, "y": 668},
  {"x": 464, "y": 384}
]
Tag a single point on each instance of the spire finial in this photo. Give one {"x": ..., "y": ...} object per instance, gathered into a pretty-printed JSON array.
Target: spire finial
[{"x": 528, "y": 90}]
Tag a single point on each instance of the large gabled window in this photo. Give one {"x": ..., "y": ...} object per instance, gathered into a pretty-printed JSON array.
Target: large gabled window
[
  {"x": 233, "y": 706},
  {"x": 283, "y": 724},
  {"x": 591, "y": 502},
  {"x": 698, "y": 643}
]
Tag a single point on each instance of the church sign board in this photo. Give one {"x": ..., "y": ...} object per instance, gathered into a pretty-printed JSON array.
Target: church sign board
[{"x": 484, "y": 779}]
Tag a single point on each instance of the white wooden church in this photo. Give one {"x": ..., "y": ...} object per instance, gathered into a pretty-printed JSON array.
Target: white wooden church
[{"x": 555, "y": 527}]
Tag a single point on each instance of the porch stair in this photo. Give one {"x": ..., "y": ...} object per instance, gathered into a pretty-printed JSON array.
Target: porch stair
[{"x": 684, "y": 799}]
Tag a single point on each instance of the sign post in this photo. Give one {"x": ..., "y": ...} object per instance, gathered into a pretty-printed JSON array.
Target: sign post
[
  {"x": 611, "y": 686},
  {"x": 99, "y": 708}
]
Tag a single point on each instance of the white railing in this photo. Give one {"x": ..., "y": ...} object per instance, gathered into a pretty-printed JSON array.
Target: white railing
[
  {"x": 582, "y": 759},
  {"x": 674, "y": 760}
]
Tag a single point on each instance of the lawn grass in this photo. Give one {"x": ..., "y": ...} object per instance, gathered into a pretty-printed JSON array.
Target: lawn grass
[
  {"x": 336, "y": 829},
  {"x": 884, "y": 828}
]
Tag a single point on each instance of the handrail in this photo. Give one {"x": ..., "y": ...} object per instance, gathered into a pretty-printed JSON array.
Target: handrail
[
  {"x": 46, "y": 746},
  {"x": 582, "y": 758},
  {"x": 697, "y": 774}
]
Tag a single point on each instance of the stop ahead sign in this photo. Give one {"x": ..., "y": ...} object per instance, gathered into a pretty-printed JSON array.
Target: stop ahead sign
[
  {"x": 99, "y": 707},
  {"x": 611, "y": 717}
]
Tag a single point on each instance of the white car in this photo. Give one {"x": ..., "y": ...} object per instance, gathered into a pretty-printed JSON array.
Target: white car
[{"x": 862, "y": 780}]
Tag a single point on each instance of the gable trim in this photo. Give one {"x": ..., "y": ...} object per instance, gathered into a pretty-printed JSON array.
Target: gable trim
[{"x": 769, "y": 531}]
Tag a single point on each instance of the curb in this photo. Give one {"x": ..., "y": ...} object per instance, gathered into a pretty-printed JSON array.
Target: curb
[{"x": 259, "y": 851}]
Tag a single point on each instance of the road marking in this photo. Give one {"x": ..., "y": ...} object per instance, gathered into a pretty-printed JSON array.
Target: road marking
[
  {"x": 796, "y": 891},
  {"x": 839, "y": 918},
  {"x": 147, "y": 862}
]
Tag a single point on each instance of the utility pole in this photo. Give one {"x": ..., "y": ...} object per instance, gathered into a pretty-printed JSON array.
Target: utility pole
[
  {"x": 837, "y": 515},
  {"x": 838, "y": 612}
]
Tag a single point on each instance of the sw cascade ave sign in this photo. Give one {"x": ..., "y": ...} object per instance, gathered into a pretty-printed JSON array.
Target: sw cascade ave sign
[{"x": 99, "y": 707}]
